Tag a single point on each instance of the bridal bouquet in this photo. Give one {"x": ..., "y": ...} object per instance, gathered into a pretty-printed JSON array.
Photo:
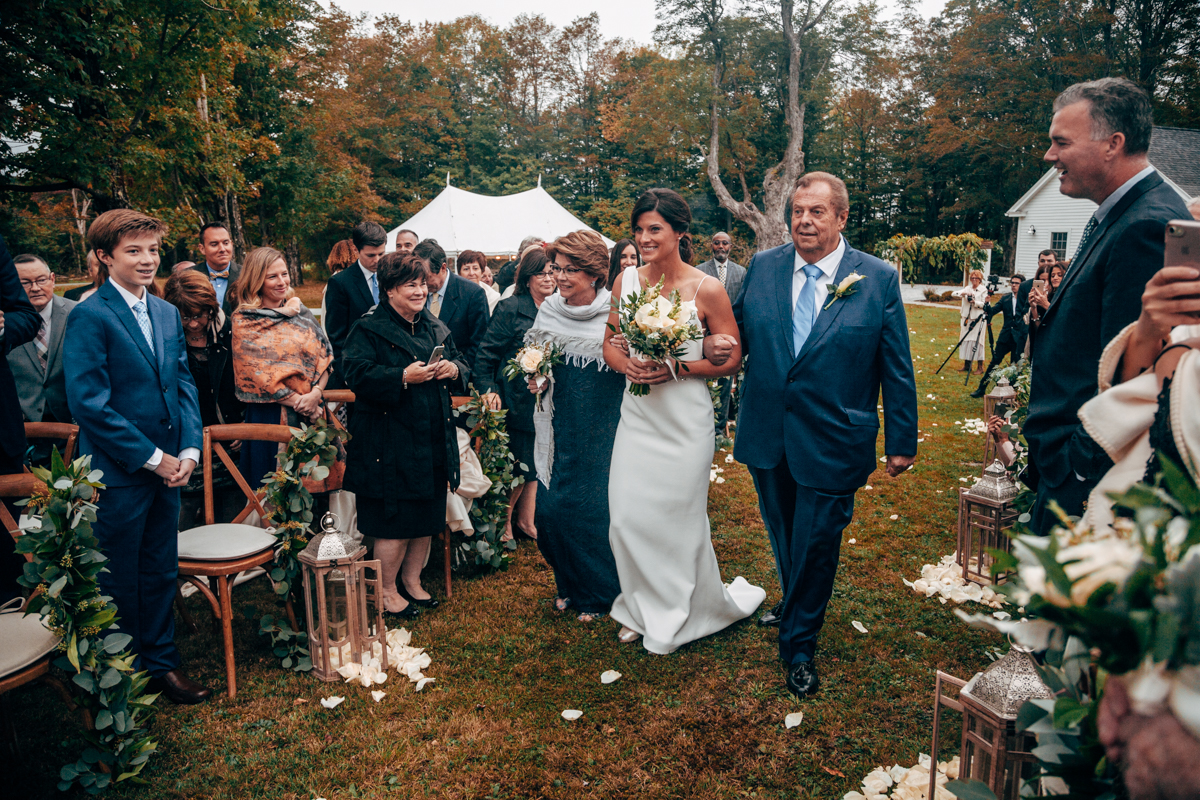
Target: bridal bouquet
[
  {"x": 657, "y": 328},
  {"x": 534, "y": 361}
]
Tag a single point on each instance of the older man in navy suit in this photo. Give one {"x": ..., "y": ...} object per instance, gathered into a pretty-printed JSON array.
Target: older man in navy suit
[
  {"x": 130, "y": 391},
  {"x": 824, "y": 331}
]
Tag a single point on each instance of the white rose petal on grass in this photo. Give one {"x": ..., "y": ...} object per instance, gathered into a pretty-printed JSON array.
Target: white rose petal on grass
[
  {"x": 854, "y": 541},
  {"x": 894, "y": 517},
  {"x": 423, "y": 682},
  {"x": 610, "y": 676},
  {"x": 794, "y": 719},
  {"x": 868, "y": 486},
  {"x": 378, "y": 695},
  {"x": 729, "y": 458},
  {"x": 332, "y": 702},
  {"x": 572, "y": 714},
  {"x": 858, "y": 626}
]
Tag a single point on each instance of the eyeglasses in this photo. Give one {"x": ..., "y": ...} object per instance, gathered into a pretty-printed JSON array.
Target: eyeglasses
[
  {"x": 195, "y": 317},
  {"x": 555, "y": 268},
  {"x": 39, "y": 282}
]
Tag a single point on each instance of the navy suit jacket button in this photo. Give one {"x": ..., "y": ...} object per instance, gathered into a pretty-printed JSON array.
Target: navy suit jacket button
[{"x": 787, "y": 408}]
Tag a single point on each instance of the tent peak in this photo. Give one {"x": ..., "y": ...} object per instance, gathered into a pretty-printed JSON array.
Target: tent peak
[{"x": 447, "y": 177}]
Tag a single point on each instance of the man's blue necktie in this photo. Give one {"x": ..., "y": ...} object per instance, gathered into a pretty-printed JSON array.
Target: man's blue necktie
[
  {"x": 805, "y": 312},
  {"x": 374, "y": 288},
  {"x": 143, "y": 319}
]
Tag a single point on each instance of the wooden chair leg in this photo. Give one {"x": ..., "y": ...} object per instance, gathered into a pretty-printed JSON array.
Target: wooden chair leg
[
  {"x": 188, "y": 620},
  {"x": 291, "y": 614},
  {"x": 226, "y": 595},
  {"x": 446, "y": 560}
]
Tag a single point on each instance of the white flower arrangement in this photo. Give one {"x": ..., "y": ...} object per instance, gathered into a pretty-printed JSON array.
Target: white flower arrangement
[
  {"x": 907, "y": 783},
  {"x": 944, "y": 580}
]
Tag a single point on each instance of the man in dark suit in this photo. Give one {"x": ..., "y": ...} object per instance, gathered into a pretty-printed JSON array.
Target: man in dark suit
[
  {"x": 817, "y": 357},
  {"x": 18, "y": 325},
  {"x": 730, "y": 275},
  {"x": 507, "y": 274},
  {"x": 130, "y": 391},
  {"x": 353, "y": 292},
  {"x": 93, "y": 273},
  {"x": 1098, "y": 141},
  {"x": 1011, "y": 341},
  {"x": 459, "y": 303},
  {"x": 216, "y": 248},
  {"x": 38, "y": 365}
]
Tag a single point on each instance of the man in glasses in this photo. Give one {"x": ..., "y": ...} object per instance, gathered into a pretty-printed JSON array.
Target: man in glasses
[{"x": 37, "y": 366}]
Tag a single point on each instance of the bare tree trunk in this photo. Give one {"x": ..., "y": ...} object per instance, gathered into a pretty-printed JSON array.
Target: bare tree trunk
[
  {"x": 238, "y": 232},
  {"x": 769, "y": 225},
  {"x": 292, "y": 254},
  {"x": 1010, "y": 247},
  {"x": 81, "y": 204}
]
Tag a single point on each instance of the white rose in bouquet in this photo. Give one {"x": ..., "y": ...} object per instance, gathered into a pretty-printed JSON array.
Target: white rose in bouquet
[{"x": 531, "y": 359}]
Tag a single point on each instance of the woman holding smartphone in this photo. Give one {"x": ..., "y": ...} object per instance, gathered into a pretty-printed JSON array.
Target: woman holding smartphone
[{"x": 401, "y": 362}]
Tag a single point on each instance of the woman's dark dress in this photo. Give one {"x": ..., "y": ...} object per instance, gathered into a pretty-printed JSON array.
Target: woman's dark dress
[
  {"x": 572, "y": 513},
  {"x": 514, "y": 316},
  {"x": 403, "y": 451}
]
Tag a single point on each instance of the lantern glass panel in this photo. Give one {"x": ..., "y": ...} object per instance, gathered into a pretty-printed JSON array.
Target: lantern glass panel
[{"x": 336, "y": 610}]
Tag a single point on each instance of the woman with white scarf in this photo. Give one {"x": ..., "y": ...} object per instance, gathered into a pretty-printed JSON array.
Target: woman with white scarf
[{"x": 575, "y": 428}]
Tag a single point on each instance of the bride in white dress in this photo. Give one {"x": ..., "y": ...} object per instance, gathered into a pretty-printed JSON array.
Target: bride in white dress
[{"x": 671, "y": 589}]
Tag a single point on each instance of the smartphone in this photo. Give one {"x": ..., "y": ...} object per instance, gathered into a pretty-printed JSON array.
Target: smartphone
[
  {"x": 1183, "y": 245},
  {"x": 1039, "y": 285},
  {"x": 435, "y": 356},
  {"x": 1001, "y": 410}
]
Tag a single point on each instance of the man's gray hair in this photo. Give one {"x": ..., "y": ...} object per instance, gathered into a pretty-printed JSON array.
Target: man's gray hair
[
  {"x": 1117, "y": 105},
  {"x": 528, "y": 242}
]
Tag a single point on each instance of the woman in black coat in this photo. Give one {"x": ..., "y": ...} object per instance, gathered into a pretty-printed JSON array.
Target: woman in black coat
[
  {"x": 505, "y": 336},
  {"x": 402, "y": 457},
  {"x": 207, "y": 333}
]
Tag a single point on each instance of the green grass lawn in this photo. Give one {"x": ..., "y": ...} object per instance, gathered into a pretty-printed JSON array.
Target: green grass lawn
[{"x": 705, "y": 722}]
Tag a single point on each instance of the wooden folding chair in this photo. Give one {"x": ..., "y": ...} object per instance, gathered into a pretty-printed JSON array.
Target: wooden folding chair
[
  {"x": 217, "y": 552},
  {"x": 29, "y": 648},
  {"x": 347, "y": 396},
  {"x": 55, "y": 430}
]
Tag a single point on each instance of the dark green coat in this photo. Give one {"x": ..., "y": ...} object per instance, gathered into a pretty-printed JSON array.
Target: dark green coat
[
  {"x": 505, "y": 336},
  {"x": 390, "y": 452}
]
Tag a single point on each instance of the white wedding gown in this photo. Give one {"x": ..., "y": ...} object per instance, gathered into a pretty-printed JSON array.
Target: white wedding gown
[{"x": 671, "y": 590}]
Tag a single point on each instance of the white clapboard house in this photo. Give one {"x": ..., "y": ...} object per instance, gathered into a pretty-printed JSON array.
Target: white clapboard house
[{"x": 1049, "y": 220}]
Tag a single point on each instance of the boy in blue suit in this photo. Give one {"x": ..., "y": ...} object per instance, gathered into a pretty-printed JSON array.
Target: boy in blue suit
[{"x": 130, "y": 391}]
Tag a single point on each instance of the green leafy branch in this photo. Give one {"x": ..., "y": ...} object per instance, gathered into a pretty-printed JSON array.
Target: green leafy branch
[
  {"x": 308, "y": 455},
  {"x": 490, "y": 512},
  {"x": 63, "y": 574}
]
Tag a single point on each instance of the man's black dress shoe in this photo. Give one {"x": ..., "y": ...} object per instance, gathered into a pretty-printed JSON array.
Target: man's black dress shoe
[
  {"x": 772, "y": 617},
  {"x": 802, "y": 679},
  {"x": 179, "y": 688},
  {"x": 978, "y": 393},
  {"x": 429, "y": 602}
]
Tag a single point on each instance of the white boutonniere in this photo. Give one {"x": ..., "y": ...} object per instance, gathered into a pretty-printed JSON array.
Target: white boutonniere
[{"x": 843, "y": 289}]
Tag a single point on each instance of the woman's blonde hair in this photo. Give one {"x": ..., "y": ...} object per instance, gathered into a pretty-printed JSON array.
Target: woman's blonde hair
[
  {"x": 975, "y": 273},
  {"x": 248, "y": 289}
]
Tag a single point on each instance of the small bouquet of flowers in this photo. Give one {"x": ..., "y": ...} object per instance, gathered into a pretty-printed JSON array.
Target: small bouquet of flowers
[
  {"x": 657, "y": 328},
  {"x": 534, "y": 361}
]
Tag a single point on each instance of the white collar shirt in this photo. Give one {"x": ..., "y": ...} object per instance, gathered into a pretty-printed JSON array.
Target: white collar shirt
[
  {"x": 131, "y": 299},
  {"x": 367, "y": 274},
  {"x": 1114, "y": 198},
  {"x": 828, "y": 266}
]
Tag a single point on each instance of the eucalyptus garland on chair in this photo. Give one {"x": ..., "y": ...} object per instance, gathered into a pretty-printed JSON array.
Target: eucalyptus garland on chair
[
  {"x": 489, "y": 513},
  {"x": 289, "y": 511},
  {"x": 66, "y": 561}
]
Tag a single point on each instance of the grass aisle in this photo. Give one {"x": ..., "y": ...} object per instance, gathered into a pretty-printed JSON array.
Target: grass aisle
[{"x": 706, "y": 722}]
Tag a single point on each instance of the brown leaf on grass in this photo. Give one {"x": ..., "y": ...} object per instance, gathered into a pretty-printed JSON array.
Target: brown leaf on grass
[{"x": 833, "y": 771}]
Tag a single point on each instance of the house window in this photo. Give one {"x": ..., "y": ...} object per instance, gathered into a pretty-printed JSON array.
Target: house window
[{"x": 1058, "y": 243}]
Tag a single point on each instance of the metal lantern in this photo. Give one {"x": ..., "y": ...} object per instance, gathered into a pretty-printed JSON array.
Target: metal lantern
[
  {"x": 341, "y": 601},
  {"x": 1002, "y": 393},
  {"x": 993, "y": 750},
  {"x": 985, "y": 512}
]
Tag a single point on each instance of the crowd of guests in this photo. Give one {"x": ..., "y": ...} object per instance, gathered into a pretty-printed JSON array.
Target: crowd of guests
[{"x": 401, "y": 330}]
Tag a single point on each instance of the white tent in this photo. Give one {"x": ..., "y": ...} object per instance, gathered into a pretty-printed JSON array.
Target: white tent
[{"x": 462, "y": 220}]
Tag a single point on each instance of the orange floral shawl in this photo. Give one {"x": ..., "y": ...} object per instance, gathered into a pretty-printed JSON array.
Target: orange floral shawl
[{"x": 277, "y": 352}]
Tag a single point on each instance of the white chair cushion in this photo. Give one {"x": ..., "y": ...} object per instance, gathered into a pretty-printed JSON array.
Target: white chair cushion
[
  {"x": 25, "y": 641},
  {"x": 223, "y": 542}
]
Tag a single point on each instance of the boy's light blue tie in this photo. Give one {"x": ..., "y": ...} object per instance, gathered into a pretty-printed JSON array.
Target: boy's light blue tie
[{"x": 143, "y": 319}]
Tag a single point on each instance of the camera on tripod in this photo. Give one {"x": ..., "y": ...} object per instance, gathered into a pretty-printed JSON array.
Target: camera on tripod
[{"x": 993, "y": 283}]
